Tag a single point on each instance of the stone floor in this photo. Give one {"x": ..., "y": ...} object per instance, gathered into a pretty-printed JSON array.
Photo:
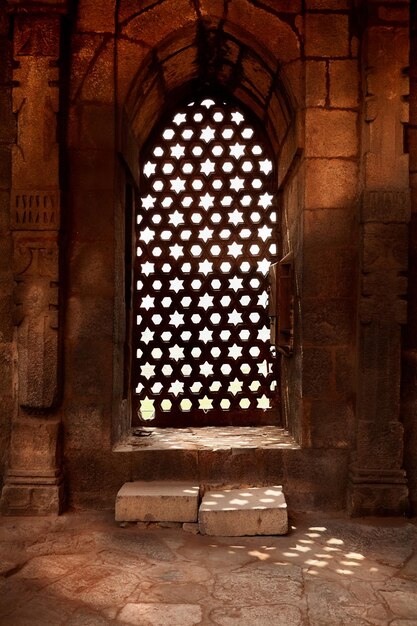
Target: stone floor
[{"x": 86, "y": 570}]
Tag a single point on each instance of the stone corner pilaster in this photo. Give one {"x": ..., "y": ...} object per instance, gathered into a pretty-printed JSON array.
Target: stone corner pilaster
[{"x": 34, "y": 485}]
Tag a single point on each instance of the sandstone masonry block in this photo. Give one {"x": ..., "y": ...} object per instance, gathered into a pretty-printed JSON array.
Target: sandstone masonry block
[
  {"x": 316, "y": 83},
  {"x": 277, "y": 35},
  {"x": 94, "y": 17},
  {"x": 331, "y": 133},
  {"x": 394, "y": 14},
  {"x": 330, "y": 183},
  {"x": 330, "y": 227},
  {"x": 331, "y": 423},
  {"x": 154, "y": 25},
  {"x": 328, "y": 321},
  {"x": 246, "y": 511},
  {"x": 157, "y": 502},
  {"x": 344, "y": 83},
  {"x": 327, "y": 35},
  {"x": 317, "y": 366},
  {"x": 329, "y": 273}
]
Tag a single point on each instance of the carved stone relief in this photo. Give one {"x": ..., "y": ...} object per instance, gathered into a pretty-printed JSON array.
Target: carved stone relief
[
  {"x": 32, "y": 210},
  {"x": 36, "y": 317},
  {"x": 35, "y": 206},
  {"x": 36, "y": 36},
  {"x": 34, "y": 480}
]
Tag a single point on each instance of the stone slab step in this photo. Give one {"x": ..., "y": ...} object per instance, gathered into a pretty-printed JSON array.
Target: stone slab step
[
  {"x": 247, "y": 511},
  {"x": 157, "y": 501}
]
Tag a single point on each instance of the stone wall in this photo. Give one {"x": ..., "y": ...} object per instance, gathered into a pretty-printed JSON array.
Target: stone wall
[
  {"x": 7, "y": 138},
  {"x": 90, "y": 470},
  {"x": 409, "y": 363},
  {"x": 329, "y": 232},
  {"x": 334, "y": 105}
]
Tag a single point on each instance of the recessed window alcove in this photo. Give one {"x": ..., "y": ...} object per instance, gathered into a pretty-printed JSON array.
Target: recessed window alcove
[
  {"x": 209, "y": 151},
  {"x": 206, "y": 234}
]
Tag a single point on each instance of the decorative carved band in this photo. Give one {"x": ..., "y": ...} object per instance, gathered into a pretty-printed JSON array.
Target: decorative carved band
[
  {"x": 386, "y": 206},
  {"x": 377, "y": 476},
  {"x": 36, "y": 36},
  {"x": 35, "y": 210}
]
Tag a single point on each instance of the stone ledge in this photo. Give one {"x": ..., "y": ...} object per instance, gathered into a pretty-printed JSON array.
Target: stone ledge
[{"x": 159, "y": 501}]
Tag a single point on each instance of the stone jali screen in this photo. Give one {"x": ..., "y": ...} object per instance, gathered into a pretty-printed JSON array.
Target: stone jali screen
[{"x": 206, "y": 236}]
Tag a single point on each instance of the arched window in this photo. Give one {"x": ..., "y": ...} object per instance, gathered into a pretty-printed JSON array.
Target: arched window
[{"x": 206, "y": 236}]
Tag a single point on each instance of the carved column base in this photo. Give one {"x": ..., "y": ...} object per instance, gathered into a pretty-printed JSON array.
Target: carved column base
[
  {"x": 377, "y": 492},
  {"x": 32, "y": 494},
  {"x": 33, "y": 484}
]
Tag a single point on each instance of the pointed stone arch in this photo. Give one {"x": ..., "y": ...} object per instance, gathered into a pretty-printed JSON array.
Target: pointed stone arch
[{"x": 168, "y": 50}]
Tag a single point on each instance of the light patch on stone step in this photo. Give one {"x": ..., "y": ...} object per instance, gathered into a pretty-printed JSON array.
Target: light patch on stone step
[
  {"x": 247, "y": 511},
  {"x": 158, "y": 501}
]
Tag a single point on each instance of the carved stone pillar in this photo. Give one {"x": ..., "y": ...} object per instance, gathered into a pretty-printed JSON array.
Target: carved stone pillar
[
  {"x": 377, "y": 480},
  {"x": 33, "y": 483}
]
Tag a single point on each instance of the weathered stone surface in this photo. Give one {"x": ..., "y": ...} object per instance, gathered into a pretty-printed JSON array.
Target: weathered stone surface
[
  {"x": 36, "y": 35},
  {"x": 237, "y": 512},
  {"x": 157, "y": 501},
  {"x": 98, "y": 83},
  {"x": 180, "y": 68},
  {"x": 32, "y": 499},
  {"x": 386, "y": 206},
  {"x": 330, "y": 183},
  {"x": 382, "y": 498},
  {"x": 253, "y": 583},
  {"x": 146, "y": 465},
  {"x": 159, "y": 21},
  {"x": 316, "y": 83},
  {"x": 377, "y": 480},
  {"x": 8, "y": 126},
  {"x": 278, "y": 37},
  {"x": 329, "y": 228},
  {"x": 318, "y": 369},
  {"x": 304, "y": 486},
  {"x": 96, "y": 18},
  {"x": 190, "y": 527},
  {"x": 386, "y": 109},
  {"x": 82, "y": 569},
  {"x": 229, "y": 464},
  {"x": 186, "y": 614},
  {"x": 257, "y": 75},
  {"x": 344, "y": 83},
  {"x": 330, "y": 271},
  {"x": 34, "y": 444},
  {"x": 328, "y": 322},
  {"x": 37, "y": 319},
  {"x": 228, "y": 616},
  {"x": 331, "y": 133},
  {"x": 327, "y": 35},
  {"x": 332, "y": 423},
  {"x": 5, "y": 167}
]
